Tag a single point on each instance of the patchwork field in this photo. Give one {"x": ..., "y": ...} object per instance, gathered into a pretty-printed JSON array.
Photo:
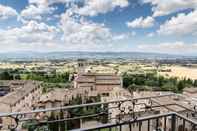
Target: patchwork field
[{"x": 181, "y": 72}]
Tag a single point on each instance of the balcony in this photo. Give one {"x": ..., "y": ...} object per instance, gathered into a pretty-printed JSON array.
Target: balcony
[{"x": 140, "y": 114}]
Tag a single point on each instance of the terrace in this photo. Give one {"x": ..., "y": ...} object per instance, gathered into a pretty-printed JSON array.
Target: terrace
[{"x": 140, "y": 114}]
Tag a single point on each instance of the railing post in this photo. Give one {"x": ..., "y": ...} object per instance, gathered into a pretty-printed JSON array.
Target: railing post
[
  {"x": 12, "y": 130},
  {"x": 165, "y": 123},
  {"x": 148, "y": 125},
  {"x": 173, "y": 122},
  {"x": 183, "y": 125}
]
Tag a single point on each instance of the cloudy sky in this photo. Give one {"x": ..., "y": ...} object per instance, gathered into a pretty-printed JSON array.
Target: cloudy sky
[{"x": 99, "y": 25}]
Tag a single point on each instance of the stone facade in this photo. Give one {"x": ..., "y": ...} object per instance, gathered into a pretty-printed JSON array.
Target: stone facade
[
  {"x": 20, "y": 100},
  {"x": 99, "y": 82}
]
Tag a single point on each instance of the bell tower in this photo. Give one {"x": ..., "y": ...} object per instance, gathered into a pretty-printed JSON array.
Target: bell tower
[{"x": 82, "y": 63}]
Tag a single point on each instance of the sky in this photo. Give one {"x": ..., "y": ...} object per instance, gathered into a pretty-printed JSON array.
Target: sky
[{"x": 160, "y": 26}]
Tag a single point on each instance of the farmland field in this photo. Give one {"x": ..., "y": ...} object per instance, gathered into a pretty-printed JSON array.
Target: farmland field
[{"x": 180, "y": 72}]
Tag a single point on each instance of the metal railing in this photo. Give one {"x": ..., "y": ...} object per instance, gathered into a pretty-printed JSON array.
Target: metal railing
[
  {"x": 160, "y": 122},
  {"x": 139, "y": 114}
]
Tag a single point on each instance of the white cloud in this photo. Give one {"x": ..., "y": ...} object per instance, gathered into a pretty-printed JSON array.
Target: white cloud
[
  {"x": 94, "y": 7},
  {"x": 178, "y": 47},
  {"x": 120, "y": 37},
  {"x": 165, "y": 7},
  {"x": 89, "y": 8},
  {"x": 124, "y": 36},
  {"x": 36, "y": 12},
  {"x": 31, "y": 36},
  {"x": 38, "y": 9},
  {"x": 133, "y": 33},
  {"x": 83, "y": 33},
  {"x": 141, "y": 22},
  {"x": 7, "y": 12},
  {"x": 48, "y": 2},
  {"x": 74, "y": 33},
  {"x": 150, "y": 34},
  {"x": 180, "y": 25}
]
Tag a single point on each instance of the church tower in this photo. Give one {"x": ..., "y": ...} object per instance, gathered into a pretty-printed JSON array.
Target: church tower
[{"x": 82, "y": 63}]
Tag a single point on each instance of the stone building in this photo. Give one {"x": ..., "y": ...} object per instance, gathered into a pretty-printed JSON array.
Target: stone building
[
  {"x": 20, "y": 100},
  {"x": 190, "y": 92},
  {"x": 54, "y": 98},
  {"x": 7, "y": 86},
  {"x": 100, "y": 82},
  {"x": 4, "y": 89}
]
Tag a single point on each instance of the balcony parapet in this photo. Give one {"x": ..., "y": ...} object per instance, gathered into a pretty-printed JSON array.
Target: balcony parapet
[{"x": 131, "y": 114}]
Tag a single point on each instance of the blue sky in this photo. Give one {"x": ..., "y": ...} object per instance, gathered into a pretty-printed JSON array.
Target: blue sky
[{"x": 99, "y": 25}]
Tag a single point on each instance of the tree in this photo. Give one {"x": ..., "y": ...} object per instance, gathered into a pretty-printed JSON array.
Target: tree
[
  {"x": 195, "y": 83},
  {"x": 160, "y": 81},
  {"x": 150, "y": 80},
  {"x": 169, "y": 86},
  {"x": 180, "y": 85},
  {"x": 5, "y": 75}
]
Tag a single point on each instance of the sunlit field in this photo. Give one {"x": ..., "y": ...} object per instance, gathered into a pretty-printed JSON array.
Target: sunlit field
[{"x": 180, "y": 72}]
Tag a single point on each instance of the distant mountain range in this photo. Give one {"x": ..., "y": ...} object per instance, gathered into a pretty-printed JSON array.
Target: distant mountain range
[{"x": 87, "y": 55}]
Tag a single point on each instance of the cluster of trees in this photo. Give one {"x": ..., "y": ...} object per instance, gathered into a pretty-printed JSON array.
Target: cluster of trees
[
  {"x": 51, "y": 78},
  {"x": 54, "y": 77},
  {"x": 85, "y": 111},
  {"x": 153, "y": 81},
  {"x": 8, "y": 74},
  {"x": 57, "y": 118},
  {"x": 46, "y": 87},
  {"x": 57, "y": 123},
  {"x": 50, "y": 81}
]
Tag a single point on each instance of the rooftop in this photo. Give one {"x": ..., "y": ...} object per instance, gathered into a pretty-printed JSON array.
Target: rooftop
[
  {"x": 190, "y": 90},
  {"x": 13, "y": 97},
  {"x": 57, "y": 94},
  {"x": 99, "y": 78}
]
